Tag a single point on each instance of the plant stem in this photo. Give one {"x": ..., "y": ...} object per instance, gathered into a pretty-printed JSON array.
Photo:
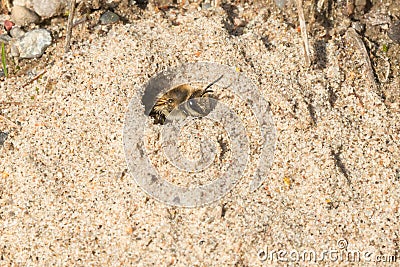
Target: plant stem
[{"x": 3, "y": 59}]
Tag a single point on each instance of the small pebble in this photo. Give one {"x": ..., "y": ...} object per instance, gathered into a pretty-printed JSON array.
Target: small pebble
[
  {"x": 27, "y": 3},
  {"x": 33, "y": 43},
  {"x": 49, "y": 8},
  {"x": 14, "y": 50},
  {"x": 109, "y": 17},
  {"x": 3, "y": 137},
  {"x": 359, "y": 27},
  {"x": 206, "y": 6},
  {"x": 394, "y": 31},
  {"x": 17, "y": 32},
  {"x": 281, "y": 3},
  {"x": 24, "y": 16},
  {"x": 8, "y": 25},
  {"x": 5, "y": 38}
]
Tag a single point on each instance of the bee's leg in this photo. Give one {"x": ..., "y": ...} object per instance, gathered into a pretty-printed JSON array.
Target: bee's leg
[{"x": 159, "y": 118}]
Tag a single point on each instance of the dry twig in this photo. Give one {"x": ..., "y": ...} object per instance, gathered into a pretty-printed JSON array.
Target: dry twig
[
  {"x": 9, "y": 103},
  {"x": 6, "y": 5},
  {"x": 353, "y": 35},
  {"x": 9, "y": 122},
  {"x": 303, "y": 29},
  {"x": 34, "y": 78},
  {"x": 70, "y": 25}
]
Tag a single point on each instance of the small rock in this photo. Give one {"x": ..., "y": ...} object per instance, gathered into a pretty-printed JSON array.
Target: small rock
[
  {"x": 5, "y": 38},
  {"x": 25, "y": 3},
  {"x": 14, "y": 51},
  {"x": 394, "y": 31},
  {"x": 358, "y": 26},
  {"x": 281, "y": 3},
  {"x": 109, "y": 17},
  {"x": 33, "y": 43},
  {"x": 3, "y": 137},
  {"x": 205, "y": 6},
  {"x": 8, "y": 25},
  {"x": 17, "y": 32},
  {"x": 24, "y": 16},
  {"x": 49, "y": 8}
]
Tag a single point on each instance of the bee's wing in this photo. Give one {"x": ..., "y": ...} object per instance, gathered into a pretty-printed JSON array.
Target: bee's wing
[
  {"x": 198, "y": 107},
  {"x": 176, "y": 114}
]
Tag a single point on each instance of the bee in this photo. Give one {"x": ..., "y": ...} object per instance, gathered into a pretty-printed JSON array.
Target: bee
[{"x": 182, "y": 101}]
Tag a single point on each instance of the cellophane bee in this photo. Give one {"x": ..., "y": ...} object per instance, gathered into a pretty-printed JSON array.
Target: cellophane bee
[{"x": 182, "y": 101}]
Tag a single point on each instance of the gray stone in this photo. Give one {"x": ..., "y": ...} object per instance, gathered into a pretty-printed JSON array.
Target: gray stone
[
  {"x": 205, "y": 6},
  {"x": 49, "y": 8},
  {"x": 4, "y": 38},
  {"x": 109, "y": 17},
  {"x": 33, "y": 43},
  {"x": 14, "y": 50},
  {"x": 23, "y": 16},
  {"x": 17, "y": 32},
  {"x": 3, "y": 137},
  {"x": 281, "y": 3}
]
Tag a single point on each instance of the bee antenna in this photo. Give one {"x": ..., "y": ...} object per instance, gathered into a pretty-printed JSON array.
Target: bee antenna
[{"x": 211, "y": 84}]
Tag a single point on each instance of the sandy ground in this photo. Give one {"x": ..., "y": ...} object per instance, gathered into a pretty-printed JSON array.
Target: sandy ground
[{"x": 66, "y": 197}]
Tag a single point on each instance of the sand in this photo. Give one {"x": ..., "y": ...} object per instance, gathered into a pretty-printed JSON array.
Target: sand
[{"x": 68, "y": 198}]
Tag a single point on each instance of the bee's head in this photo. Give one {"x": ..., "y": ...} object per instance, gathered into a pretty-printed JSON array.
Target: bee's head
[{"x": 171, "y": 99}]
